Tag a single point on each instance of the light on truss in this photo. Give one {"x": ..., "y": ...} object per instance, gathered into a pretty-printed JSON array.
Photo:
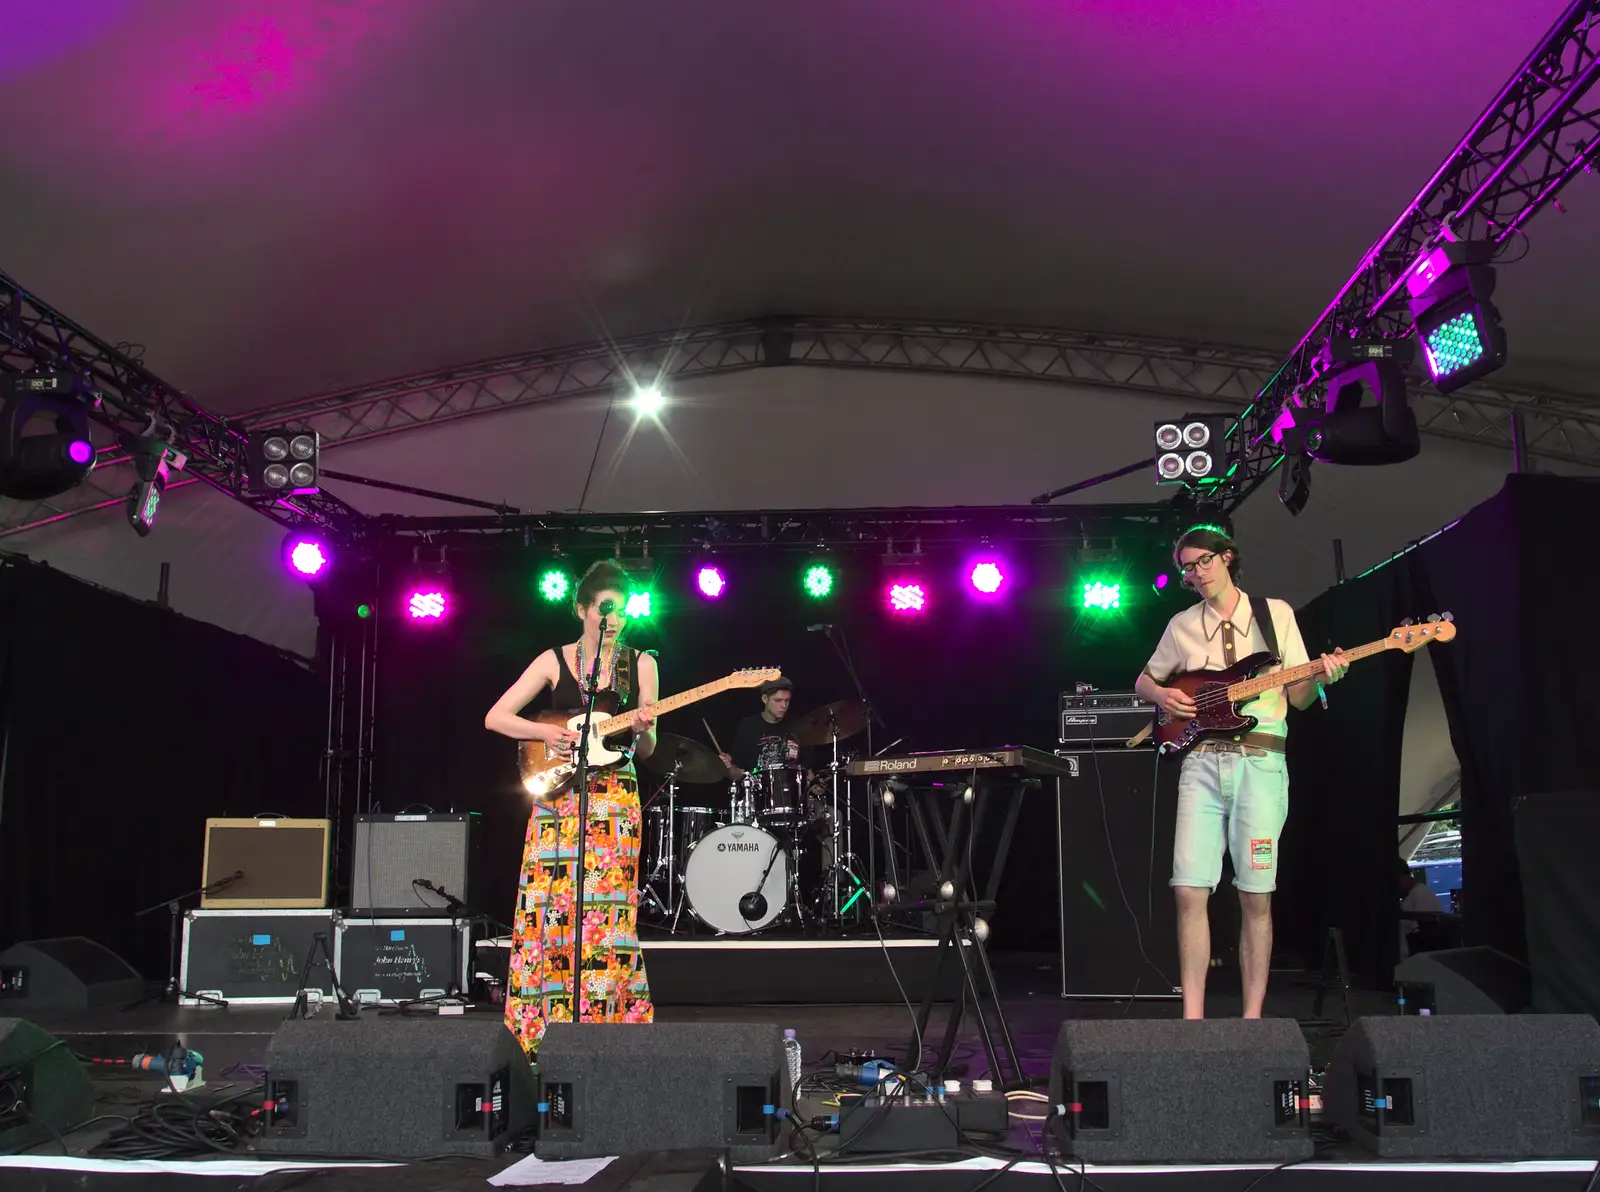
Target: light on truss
[
  {"x": 817, "y": 580},
  {"x": 154, "y": 461},
  {"x": 1192, "y": 449},
  {"x": 648, "y": 400},
  {"x": 307, "y": 556},
  {"x": 1458, "y": 327},
  {"x": 43, "y": 463},
  {"x": 282, "y": 461},
  {"x": 711, "y": 582}
]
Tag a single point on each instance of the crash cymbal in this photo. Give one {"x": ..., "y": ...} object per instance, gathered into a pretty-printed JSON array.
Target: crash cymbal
[
  {"x": 700, "y": 763},
  {"x": 848, "y": 716}
]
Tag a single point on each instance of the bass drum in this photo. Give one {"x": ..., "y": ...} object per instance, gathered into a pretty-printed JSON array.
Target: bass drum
[{"x": 727, "y": 864}]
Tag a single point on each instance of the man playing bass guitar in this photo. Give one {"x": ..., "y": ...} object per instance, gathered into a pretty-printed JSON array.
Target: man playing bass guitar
[{"x": 1233, "y": 794}]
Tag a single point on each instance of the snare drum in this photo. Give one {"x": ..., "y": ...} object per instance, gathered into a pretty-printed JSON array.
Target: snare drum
[
  {"x": 779, "y": 794},
  {"x": 725, "y": 866}
]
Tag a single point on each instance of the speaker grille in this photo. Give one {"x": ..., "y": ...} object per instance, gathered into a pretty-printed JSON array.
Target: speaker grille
[{"x": 392, "y": 851}]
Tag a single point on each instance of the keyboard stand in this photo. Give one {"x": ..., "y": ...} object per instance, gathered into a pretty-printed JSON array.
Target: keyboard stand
[{"x": 948, "y": 839}]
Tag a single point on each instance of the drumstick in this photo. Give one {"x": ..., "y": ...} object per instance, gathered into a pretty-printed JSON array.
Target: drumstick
[{"x": 712, "y": 735}]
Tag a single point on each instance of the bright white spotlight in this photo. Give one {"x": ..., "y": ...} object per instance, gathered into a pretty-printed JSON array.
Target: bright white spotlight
[{"x": 648, "y": 400}]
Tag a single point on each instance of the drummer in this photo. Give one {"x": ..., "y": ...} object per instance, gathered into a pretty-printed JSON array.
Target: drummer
[{"x": 762, "y": 740}]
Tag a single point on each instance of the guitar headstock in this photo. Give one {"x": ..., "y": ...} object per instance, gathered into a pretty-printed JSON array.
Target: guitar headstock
[
  {"x": 754, "y": 676},
  {"x": 1409, "y": 635}
]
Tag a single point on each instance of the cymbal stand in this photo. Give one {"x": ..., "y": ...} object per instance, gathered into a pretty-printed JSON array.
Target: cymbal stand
[{"x": 665, "y": 870}]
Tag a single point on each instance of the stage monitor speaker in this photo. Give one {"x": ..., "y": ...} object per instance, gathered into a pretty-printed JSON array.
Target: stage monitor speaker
[
  {"x": 1174, "y": 1091},
  {"x": 273, "y": 863},
  {"x": 1117, "y": 816},
  {"x": 614, "y": 1088},
  {"x": 1472, "y": 1086},
  {"x": 68, "y": 973},
  {"x": 396, "y": 1087},
  {"x": 393, "y": 851},
  {"x": 46, "y": 1088},
  {"x": 1463, "y": 981}
]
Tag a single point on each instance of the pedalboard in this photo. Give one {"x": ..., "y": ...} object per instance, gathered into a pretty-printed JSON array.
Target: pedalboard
[{"x": 889, "y": 1124}]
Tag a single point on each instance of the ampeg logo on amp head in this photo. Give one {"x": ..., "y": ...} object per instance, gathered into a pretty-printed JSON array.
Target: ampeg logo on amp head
[{"x": 1102, "y": 717}]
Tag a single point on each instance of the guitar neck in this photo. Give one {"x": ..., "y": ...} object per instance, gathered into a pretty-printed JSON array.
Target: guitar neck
[
  {"x": 1249, "y": 688},
  {"x": 615, "y": 724}
]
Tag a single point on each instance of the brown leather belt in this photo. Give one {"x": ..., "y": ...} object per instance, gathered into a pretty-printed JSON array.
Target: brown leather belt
[{"x": 1265, "y": 742}]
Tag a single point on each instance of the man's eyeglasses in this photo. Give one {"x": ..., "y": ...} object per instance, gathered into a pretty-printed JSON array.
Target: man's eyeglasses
[{"x": 1203, "y": 563}]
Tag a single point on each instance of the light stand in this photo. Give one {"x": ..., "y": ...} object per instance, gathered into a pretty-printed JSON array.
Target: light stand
[
  {"x": 581, "y": 756},
  {"x": 173, "y": 991}
]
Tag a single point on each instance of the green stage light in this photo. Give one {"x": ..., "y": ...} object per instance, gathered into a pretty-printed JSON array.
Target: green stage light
[
  {"x": 363, "y": 611},
  {"x": 554, "y": 585},
  {"x": 818, "y": 580},
  {"x": 638, "y": 605},
  {"x": 1101, "y": 596}
]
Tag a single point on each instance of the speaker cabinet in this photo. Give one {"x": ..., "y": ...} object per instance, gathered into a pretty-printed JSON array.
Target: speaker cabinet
[
  {"x": 400, "y": 1087},
  {"x": 45, "y": 1079},
  {"x": 393, "y": 851},
  {"x": 1171, "y": 1091},
  {"x": 1471, "y": 1086},
  {"x": 616, "y": 1088},
  {"x": 68, "y": 973},
  {"x": 1464, "y": 981}
]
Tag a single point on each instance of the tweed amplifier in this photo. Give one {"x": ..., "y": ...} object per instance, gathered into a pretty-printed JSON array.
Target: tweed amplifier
[{"x": 1102, "y": 718}]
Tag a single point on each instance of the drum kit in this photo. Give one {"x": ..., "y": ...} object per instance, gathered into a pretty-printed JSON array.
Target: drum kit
[{"x": 776, "y": 854}]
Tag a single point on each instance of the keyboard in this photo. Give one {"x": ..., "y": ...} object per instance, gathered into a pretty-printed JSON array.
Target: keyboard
[{"x": 1019, "y": 760}]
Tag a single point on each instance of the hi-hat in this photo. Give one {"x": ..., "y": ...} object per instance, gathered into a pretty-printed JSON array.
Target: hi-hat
[
  {"x": 699, "y": 763},
  {"x": 846, "y": 717}
]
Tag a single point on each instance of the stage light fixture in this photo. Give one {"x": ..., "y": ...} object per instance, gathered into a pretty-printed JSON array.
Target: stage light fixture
[
  {"x": 1458, "y": 328},
  {"x": 987, "y": 577},
  {"x": 817, "y": 580},
  {"x": 44, "y": 464},
  {"x": 427, "y": 604},
  {"x": 906, "y": 597},
  {"x": 638, "y": 606},
  {"x": 648, "y": 400},
  {"x": 1101, "y": 596},
  {"x": 1294, "y": 482},
  {"x": 154, "y": 461},
  {"x": 307, "y": 555},
  {"x": 554, "y": 585},
  {"x": 711, "y": 582},
  {"x": 1192, "y": 449},
  {"x": 283, "y": 461},
  {"x": 363, "y": 611},
  {"x": 1350, "y": 429},
  {"x": 1160, "y": 582}
]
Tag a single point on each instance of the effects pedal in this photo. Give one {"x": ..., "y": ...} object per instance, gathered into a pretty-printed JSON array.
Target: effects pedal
[{"x": 921, "y": 1121}]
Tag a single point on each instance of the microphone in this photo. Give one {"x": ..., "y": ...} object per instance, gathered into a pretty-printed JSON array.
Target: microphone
[
  {"x": 607, "y": 607},
  {"x": 752, "y": 906},
  {"x": 820, "y": 627}
]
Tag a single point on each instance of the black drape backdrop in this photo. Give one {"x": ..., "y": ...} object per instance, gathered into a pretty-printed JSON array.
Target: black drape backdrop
[
  {"x": 1512, "y": 685},
  {"x": 968, "y": 674},
  {"x": 126, "y": 726}
]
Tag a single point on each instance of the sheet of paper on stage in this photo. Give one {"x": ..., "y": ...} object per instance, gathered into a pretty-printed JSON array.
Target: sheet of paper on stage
[{"x": 533, "y": 1170}]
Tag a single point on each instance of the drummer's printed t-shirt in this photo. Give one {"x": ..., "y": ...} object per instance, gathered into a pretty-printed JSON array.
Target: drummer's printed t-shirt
[{"x": 757, "y": 744}]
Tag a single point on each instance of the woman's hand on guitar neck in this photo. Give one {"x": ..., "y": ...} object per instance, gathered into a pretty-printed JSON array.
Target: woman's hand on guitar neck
[{"x": 1175, "y": 703}]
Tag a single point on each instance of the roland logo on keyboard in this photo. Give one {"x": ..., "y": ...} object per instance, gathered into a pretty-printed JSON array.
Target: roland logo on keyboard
[{"x": 945, "y": 761}]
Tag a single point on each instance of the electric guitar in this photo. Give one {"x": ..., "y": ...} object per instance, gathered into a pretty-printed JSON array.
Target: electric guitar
[
  {"x": 1218, "y": 695},
  {"x": 546, "y": 773}
]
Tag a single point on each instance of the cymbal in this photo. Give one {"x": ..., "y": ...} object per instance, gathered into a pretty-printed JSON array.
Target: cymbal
[
  {"x": 700, "y": 763},
  {"x": 847, "y": 716}
]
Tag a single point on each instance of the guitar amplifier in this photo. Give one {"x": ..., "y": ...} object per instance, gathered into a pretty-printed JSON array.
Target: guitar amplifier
[
  {"x": 266, "y": 863},
  {"x": 1102, "y": 718},
  {"x": 393, "y": 852}
]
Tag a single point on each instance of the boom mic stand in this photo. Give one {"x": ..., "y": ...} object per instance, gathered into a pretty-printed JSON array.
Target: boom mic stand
[
  {"x": 173, "y": 990},
  {"x": 581, "y": 755}
]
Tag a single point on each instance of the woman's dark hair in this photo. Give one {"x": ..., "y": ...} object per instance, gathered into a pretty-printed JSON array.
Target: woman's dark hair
[
  {"x": 606, "y": 575},
  {"x": 1215, "y": 540}
]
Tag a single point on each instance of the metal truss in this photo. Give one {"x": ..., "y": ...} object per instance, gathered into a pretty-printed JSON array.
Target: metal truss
[
  {"x": 1557, "y": 427},
  {"x": 1537, "y": 134},
  {"x": 129, "y": 401}
]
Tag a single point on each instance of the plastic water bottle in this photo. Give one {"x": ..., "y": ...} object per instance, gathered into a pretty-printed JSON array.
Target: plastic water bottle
[{"x": 791, "y": 1052}]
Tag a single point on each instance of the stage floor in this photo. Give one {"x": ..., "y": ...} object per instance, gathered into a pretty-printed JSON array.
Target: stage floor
[{"x": 234, "y": 1042}]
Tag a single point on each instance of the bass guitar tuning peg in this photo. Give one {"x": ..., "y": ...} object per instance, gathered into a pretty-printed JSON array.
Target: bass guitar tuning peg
[
  {"x": 1407, "y": 623},
  {"x": 1434, "y": 618},
  {"x": 1448, "y": 616}
]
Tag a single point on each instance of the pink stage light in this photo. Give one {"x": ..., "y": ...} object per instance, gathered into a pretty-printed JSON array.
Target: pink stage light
[
  {"x": 907, "y": 598},
  {"x": 710, "y": 582},
  {"x": 427, "y": 604},
  {"x": 987, "y": 577},
  {"x": 307, "y": 559}
]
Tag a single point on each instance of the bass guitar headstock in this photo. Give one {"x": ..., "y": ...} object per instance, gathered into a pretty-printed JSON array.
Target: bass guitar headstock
[{"x": 1412, "y": 635}]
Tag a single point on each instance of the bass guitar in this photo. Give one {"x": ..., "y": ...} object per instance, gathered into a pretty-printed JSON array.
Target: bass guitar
[
  {"x": 546, "y": 773},
  {"x": 1218, "y": 695}
]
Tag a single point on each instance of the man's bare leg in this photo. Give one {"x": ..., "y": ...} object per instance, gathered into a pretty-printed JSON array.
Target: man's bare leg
[
  {"x": 1255, "y": 949},
  {"x": 1194, "y": 947}
]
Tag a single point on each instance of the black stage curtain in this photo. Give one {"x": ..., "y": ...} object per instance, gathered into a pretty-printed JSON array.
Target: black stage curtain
[
  {"x": 126, "y": 726},
  {"x": 1511, "y": 689}
]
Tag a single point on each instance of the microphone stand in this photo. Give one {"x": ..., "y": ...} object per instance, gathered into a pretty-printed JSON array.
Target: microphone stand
[
  {"x": 841, "y": 647},
  {"x": 581, "y": 756},
  {"x": 173, "y": 991}
]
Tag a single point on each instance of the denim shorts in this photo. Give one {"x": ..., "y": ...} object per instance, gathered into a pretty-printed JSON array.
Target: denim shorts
[{"x": 1234, "y": 803}]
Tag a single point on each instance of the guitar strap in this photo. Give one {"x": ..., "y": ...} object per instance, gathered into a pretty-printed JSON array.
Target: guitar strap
[
  {"x": 622, "y": 680},
  {"x": 1261, "y": 612}
]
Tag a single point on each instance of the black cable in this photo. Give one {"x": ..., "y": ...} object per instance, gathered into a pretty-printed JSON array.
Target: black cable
[{"x": 598, "y": 443}]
